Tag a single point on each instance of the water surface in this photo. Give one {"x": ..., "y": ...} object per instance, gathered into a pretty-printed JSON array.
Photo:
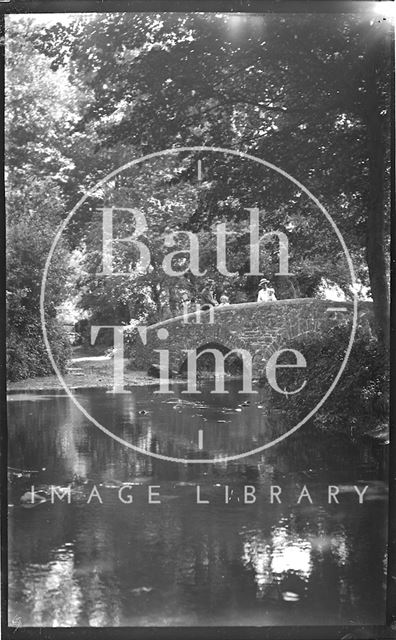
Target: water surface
[{"x": 179, "y": 562}]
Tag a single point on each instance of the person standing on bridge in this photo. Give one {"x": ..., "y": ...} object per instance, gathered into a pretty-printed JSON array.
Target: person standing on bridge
[
  {"x": 265, "y": 293},
  {"x": 208, "y": 297}
]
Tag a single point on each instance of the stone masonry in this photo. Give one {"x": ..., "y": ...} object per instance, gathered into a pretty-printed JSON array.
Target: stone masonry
[{"x": 261, "y": 328}]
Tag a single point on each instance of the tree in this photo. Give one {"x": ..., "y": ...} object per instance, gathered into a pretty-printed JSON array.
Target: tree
[
  {"x": 309, "y": 93},
  {"x": 38, "y": 122}
]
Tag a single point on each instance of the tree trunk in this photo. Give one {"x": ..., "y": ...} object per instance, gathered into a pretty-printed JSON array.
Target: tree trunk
[
  {"x": 155, "y": 292},
  {"x": 173, "y": 300},
  {"x": 375, "y": 247},
  {"x": 285, "y": 288}
]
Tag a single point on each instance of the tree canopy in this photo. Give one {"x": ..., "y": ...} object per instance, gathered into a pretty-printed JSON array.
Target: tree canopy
[{"x": 309, "y": 93}]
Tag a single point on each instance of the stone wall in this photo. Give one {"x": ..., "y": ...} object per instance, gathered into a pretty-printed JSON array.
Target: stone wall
[{"x": 260, "y": 328}]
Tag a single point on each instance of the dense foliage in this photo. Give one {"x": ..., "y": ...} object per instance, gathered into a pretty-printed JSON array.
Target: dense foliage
[
  {"x": 37, "y": 121},
  {"x": 363, "y": 401},
  {"x": 309, "y": 93}
]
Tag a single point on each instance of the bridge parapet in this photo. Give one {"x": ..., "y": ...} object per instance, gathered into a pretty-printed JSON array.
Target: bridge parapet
[{"x": 260, "y": 328}]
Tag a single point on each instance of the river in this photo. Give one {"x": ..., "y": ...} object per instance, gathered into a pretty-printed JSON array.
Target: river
[{"x": 167, "y": 555}]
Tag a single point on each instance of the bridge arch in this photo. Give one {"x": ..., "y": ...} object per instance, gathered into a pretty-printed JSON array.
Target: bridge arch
[{"x": 231, "y": 362}]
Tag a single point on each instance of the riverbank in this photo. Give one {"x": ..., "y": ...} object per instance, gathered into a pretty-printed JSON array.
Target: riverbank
[
  {"x": 84, "y": 371},
  {"x": 89, "y": 368}
]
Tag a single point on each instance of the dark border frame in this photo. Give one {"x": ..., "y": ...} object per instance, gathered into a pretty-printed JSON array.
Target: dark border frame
[{"x": 349, "y": 632}]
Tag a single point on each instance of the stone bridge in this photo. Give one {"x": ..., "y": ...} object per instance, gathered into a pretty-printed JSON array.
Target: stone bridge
[{"x": 260, "y": 328}]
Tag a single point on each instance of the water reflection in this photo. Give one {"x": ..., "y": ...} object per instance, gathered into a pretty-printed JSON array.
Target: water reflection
[{"x": 179, "y": 562}]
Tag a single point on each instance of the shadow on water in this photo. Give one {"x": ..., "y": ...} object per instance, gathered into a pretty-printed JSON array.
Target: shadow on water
[{"x": 235, "y": 559}]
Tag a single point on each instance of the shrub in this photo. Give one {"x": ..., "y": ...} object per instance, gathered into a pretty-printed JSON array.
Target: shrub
[
  {"x": 361, "y": 397},
  {"x": 26, "y": 353}
]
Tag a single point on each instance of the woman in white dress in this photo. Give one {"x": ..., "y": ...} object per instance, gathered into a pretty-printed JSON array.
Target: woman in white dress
[{"x": 265, "y": 293}]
